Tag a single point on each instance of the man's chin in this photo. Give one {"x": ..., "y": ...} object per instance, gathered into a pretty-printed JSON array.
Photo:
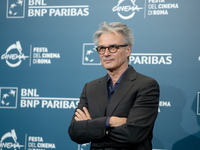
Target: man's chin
[
  {"x": 109, "y": 67},
  {"x": 106, "y": 66}
]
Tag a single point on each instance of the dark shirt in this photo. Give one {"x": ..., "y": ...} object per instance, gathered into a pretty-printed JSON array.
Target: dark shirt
[{"x": 111, "y": 90}]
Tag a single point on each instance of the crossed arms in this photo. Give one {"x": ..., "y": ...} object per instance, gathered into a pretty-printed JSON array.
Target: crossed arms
[
  {"x": 85, "y": 115},
  {"x": 88, "y": 124}
]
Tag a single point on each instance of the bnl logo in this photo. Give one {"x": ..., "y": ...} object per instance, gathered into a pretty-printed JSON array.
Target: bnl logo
[
  {"x": 198, "y": 103},
  {"x": 8, "y": 97},
  {"x": 90, "y": 55},
  {"x": 15, "y": 9}
]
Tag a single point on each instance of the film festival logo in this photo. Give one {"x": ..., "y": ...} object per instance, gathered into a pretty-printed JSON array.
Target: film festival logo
[
  {"x": 126, "y": 9},
  {"x": 15, "y": 8},
  {"x": 9, "y": 140},
  {"x": 8, "y": 97},
  {"x": 14, "y": 55},
  {"x": 90, "y": 55}
]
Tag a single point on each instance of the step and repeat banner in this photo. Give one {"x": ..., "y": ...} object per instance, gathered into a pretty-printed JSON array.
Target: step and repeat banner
[{"x": 47, "y": 55}]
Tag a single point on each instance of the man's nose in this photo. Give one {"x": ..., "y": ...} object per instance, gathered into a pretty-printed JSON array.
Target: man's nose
[{"x": 107, "y": 52}]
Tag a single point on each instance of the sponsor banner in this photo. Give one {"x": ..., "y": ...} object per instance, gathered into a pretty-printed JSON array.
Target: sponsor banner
[
  {"x": 42, "y": 8},
  {"x": 160, "y": 7},
  {"x": 41, "y": 55},
  {"x": 38, "y": 55},
  {"x": 38, "y": 143},
  {"x": 127, "y": 9},
  {"x": 31, "y": 99},
  {"x": 91, "y": 57},
  {"x": 9, "y": 141},
  {"x": 151, "y": 58}
]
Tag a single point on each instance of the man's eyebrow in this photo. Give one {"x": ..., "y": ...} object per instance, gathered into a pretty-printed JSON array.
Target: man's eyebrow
[
  {"x": 100, "y": 46},
  {"x": 106, "y": 46}
]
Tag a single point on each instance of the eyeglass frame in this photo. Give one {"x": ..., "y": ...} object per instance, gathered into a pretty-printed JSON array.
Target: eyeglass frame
[{"x": 117, "y": 47}]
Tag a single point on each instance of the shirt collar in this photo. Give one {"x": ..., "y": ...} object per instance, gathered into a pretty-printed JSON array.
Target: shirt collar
[{"x": 109, "y": 78}]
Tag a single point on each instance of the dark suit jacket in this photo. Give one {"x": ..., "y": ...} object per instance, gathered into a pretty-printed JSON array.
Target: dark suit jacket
[{"x": 136, "y": 97}]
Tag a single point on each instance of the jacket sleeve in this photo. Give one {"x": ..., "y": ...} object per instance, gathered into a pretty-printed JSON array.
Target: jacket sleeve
[
  {"x": 86, "y": 131},
  {"x": 140, "y": 120},
  {"x": 141, "y": 117}
]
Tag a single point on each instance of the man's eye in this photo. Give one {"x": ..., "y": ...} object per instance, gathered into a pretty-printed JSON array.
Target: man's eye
[
  {"x": 102, "y": 48},
  {"x": 112, "y": 46}
]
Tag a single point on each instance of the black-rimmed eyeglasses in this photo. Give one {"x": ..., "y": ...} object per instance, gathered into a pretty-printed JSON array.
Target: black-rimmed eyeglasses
[{"x": 111, "y": 48}]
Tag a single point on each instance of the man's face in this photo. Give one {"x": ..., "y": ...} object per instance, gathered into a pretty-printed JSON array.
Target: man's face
[{"x": 113, "y": 61}]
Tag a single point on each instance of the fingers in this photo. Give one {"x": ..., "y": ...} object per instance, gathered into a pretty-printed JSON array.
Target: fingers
[
  {"x": 86, "y": 112},
  {"x": 80, "y": 115}
]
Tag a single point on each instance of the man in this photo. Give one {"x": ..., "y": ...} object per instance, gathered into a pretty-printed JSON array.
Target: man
[{"x": 117, "y": 111}]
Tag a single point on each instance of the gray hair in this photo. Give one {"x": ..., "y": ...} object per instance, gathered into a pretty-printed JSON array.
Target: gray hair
[{"x": 115, "y": 27}]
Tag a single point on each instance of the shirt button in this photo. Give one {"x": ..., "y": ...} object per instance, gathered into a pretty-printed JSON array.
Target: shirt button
[{"x": 106, "y": 132}]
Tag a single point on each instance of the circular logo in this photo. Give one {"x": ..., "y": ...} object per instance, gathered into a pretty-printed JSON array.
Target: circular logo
[
  {"x": 130, "y": 9},
  {"x": 12, "y": 143},
  {"x": 14, "y": 59}
]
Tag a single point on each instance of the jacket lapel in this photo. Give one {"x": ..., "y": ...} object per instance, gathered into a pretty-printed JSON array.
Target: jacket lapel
[
  {"x": 124, "y": 85},
  {"x": 102, "y": 94}
]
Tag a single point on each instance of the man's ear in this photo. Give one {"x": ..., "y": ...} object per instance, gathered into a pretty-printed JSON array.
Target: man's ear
[{"x": 128, "y": 49}]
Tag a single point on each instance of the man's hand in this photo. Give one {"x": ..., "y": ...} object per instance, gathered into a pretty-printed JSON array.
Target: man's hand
[
  {"x": 116, "y": 121},
  {"x": 80, "y": 115}
]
